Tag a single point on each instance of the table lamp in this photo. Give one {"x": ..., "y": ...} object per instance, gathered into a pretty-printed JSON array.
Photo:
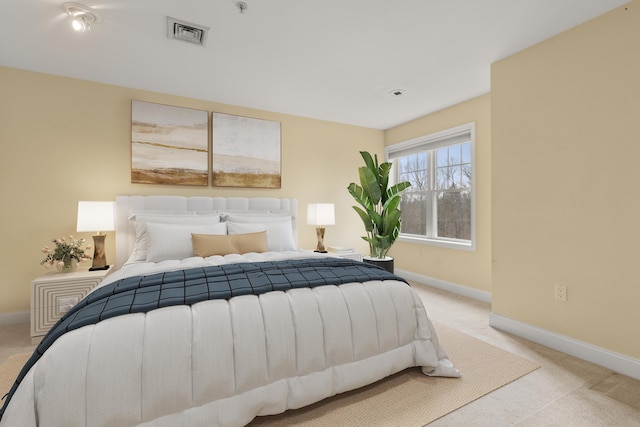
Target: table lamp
[
  {"x": 320, "y": 214},
  {"x": 98, "y": 217}
]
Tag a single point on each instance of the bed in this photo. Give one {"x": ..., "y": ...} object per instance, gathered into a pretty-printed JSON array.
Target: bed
[{"x": 253, "y": 326}]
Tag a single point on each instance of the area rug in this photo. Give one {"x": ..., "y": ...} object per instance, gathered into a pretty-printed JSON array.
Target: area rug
[
  {"x": 408, "y": 399},
  {"x": 411, "y": 399}
]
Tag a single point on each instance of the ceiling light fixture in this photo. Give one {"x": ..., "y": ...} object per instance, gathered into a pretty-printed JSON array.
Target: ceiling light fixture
[{"x": 82, "y": 16}]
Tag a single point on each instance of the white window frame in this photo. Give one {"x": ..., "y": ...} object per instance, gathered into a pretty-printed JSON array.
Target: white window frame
[{"x": 429, "y": 142}]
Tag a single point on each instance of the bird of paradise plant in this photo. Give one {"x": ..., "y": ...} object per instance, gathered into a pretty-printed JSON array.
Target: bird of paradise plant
[{"x": 379, "y": 204}]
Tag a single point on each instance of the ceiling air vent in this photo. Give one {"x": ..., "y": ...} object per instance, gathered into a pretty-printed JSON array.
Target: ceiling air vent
[{"x": 181, "y": 30}]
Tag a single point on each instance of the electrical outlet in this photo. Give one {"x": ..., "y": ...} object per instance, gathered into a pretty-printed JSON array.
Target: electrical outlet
[{"x": 561, "y": 293}]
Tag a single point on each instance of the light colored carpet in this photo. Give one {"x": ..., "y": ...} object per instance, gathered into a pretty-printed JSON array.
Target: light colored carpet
[
  {"x": 406, "y": 399},
  {"x": 411, "y": 399}
]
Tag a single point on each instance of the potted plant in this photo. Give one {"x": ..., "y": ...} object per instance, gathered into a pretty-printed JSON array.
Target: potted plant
[{"x": 378, "y": 208}]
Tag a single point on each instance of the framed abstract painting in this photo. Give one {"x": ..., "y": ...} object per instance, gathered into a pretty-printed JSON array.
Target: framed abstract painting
[
  {"x": 246, "y": 152},
  {"x": 169, "y": 145}
]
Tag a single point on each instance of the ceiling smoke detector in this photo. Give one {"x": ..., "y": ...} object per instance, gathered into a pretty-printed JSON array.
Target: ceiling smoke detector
[
  {"x": 397, "y": 93},
  {"x": 186, "y": 31},
  {"x": 242, "y": 6}
]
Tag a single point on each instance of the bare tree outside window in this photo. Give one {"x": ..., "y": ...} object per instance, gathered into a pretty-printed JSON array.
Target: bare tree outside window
[
  {"x": 414, "y": 168},
  {"x": 454, "y": 199}
]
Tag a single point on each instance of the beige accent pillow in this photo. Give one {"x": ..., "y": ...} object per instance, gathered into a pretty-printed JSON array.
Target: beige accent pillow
[
  {"x": 251, "y": 242},
  {"x": 205, "y": 245}
]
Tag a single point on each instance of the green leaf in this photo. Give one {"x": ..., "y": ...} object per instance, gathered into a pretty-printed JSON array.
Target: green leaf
[
  {"x": 369, "y": 184},
  {"x": 383, "y": 172},
  {"x": 397, "y": 189},
  {"x": 359, "y": 195},
  {"x": 392, "y": 203},
  {"x": 383, "y": 179},
  {"x": 368, "y": 224},
  {"x": 392, "y": 223},
  {"x": 368, "y": 161},
  {"x": 376, "y": 219}
]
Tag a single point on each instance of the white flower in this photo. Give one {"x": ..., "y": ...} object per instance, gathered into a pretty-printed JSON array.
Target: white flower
[{"x": 65, "y": 251}]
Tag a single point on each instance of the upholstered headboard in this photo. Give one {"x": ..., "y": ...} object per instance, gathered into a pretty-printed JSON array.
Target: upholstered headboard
[{"x": 127, "y": 205}]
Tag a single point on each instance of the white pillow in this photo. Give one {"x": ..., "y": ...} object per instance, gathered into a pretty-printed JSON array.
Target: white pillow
[
  {"x": 139, "y": 252},
  {"x": 173, "y": 241},
  {"x": 279, "y": 233}
]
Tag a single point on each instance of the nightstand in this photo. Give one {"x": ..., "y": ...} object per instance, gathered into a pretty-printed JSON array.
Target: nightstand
[
  {"x": 53, "y": 294},
  {"x": 349, "y": 254}
]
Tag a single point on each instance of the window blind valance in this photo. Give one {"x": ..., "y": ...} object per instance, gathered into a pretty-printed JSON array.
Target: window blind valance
[{"x": 453, "y": 136}]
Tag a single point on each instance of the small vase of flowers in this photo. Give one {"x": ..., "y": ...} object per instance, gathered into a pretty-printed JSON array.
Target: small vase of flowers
[{"x": 66, "y": 254}]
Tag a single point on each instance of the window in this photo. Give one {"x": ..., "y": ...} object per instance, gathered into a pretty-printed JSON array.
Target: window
[{"x": 439, "y": 207}]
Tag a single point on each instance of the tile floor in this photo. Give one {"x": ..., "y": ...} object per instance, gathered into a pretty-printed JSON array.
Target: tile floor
[{"x": 565, "y": 392}]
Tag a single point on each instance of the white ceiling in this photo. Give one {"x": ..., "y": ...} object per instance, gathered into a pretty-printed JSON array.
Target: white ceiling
[{"x": 334, "y": 60}]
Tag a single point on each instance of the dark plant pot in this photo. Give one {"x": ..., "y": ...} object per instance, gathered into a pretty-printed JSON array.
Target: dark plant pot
[{"x": 386, "y": 263}]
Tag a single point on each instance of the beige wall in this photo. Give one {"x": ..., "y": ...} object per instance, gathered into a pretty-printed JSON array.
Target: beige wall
[
  {"x": 65, "y": 140},
  {"x": 565, "y": 162},
  {"x": 441, "y": 263}
]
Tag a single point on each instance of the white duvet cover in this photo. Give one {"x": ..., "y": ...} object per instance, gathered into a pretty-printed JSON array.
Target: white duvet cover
[{"x": 223, "y": 362}]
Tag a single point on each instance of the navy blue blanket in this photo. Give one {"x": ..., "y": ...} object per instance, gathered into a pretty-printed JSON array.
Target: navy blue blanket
[{"x": 141, "y": 294}]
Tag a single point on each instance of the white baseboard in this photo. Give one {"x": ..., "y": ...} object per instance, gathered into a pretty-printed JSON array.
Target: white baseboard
[
  {"x": 591, "y": 353},
  {"x": 445, "y": 286},
  {"x": 15, "y": 318},
  {"x": 600, "y": 356}
]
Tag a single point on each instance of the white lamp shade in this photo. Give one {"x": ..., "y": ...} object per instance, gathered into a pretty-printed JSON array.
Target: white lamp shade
[
  {"x": 96, "y": 216},
  {"x": 320, "y": 214}
]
